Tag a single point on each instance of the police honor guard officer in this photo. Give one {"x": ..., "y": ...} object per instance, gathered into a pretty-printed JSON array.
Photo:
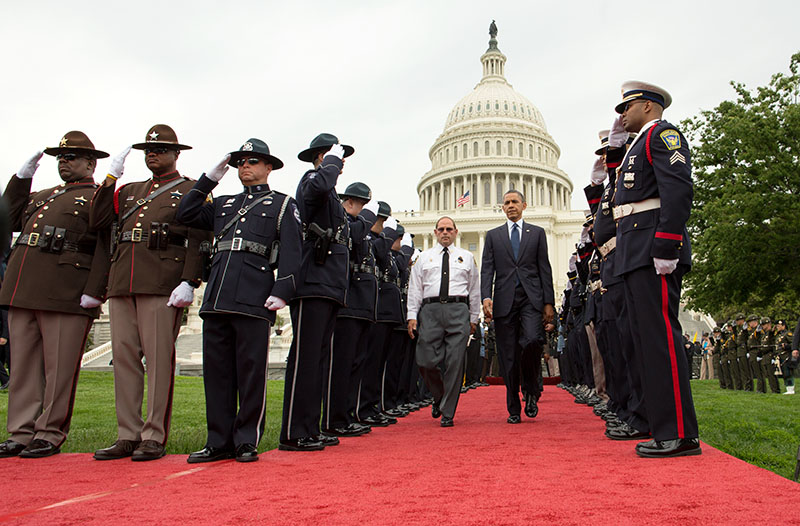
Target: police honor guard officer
[
  {"x": 653, "y": 201},
  {"x": 255, "y": 233},
  {"x": 343, "y": 371},
  {"x": 54, "y": 285},
  {"x": 324, "y": 272},
  {"x": 154, "y": 270}
]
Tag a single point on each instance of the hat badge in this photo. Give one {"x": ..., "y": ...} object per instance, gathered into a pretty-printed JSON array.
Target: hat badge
[
  {"x": 63, "y": 143},
  {"x": 247, "y": 147},
  {"x": 153, "y": 136}
]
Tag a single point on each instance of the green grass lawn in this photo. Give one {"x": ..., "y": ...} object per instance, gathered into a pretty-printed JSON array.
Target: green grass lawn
[{"x": 763, "y": 429}]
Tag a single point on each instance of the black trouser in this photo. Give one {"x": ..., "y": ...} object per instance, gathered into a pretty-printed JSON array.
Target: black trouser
[
  {"x": 407, "y": 388},
  {"x": 235, "y": 360},
  {"x": 313, "y": 320},
  {"x": 392, "y": 369},
  {"x": 341, "y": 370},
  {"x": 4, "y": 359},
  {"x": 371, "y": 382},
  {"x": 651, "y": 302},
  {"x": 519, "y": 349},
  {"x": 473, "y": 373}
]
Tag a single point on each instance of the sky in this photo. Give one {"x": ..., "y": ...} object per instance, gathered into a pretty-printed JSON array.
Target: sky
[{"x": 382, "y": 76}]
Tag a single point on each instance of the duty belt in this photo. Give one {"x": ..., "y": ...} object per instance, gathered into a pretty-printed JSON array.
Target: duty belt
[
  {"x": 364, "y": 268},
  {"x": 34, "y": 239},
  {"x": 627, "y": 209},
  {"x": 137, "y": 235},
  {"x": 238, "y": 244},
  {"x": 606, "y": 248},
  {"x": 595, "y": 285},
  {"x": 448, "y": 299}
]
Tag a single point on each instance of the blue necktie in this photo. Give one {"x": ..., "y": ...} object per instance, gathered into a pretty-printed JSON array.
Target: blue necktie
[{"x": 515, "y": 240}]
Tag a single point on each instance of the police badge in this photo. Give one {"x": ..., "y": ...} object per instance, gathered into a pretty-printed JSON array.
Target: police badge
[{"x": 629, "y": 178}]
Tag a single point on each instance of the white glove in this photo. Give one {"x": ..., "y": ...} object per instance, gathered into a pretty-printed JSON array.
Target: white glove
[
  {"x": 665, "y": 266},
  {"x": 585, "y": 237},
  {"x": 617, "y": 137},
  {"x": 216, "y": 173},
  {"x": 747, "y": 355},
  {"x": 182, "y": 296},
  {"x": 390, "y": 223},
  {"x": 406, "y": 241},
  {"x": 758, "y": 358},
  {"x": 599, "y": 172},
  {"x": 89, "y": 302},
  {"x": 274, "y": 303},
  {"x": 336, "y": 150},
  {"x": 30, "y": 166},
  {"x": 372, "y": 206},
  {"x": 573, "y": 265},
  {"x": 118, "y": 163}
]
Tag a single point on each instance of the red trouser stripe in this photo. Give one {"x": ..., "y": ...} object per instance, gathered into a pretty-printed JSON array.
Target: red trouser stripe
[{"x": 673, "y": 361}]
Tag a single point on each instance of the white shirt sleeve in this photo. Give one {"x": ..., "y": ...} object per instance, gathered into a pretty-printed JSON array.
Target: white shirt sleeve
[
  {"x": 414, "y": 301},
  {"x": 474, "y": 293}
]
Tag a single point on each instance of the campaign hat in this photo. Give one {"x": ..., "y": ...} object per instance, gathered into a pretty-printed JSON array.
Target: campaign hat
[
  {"x": 384, "y": 210},
  {"x": 76, "y": 142},
  {"x": 161, "y": 136},
  {"x": 323, "y": 141},
  {"x": 255, "y": 148},
  {"x": 359, "y": 190}
]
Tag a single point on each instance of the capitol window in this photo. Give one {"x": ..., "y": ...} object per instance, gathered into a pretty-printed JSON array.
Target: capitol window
[
  {"x": 479, "y": 106},
  {"x": 475, "y": 149},
  {"x": 499, "y": 193},
  {"x": 486, "y": 148},
  {"x": 487, "y": 199},
  {"x": 455, "y": 153},
  {"x": 470, "y": 108},
  {"x": 539, "y": 153},
  {"x": 465, "y": 150},
  {"x": 497, "y": 149},
  {"x": 530, "y": 151},
  {"x": 496, "y": 105},
  {"x": 510, "y": 150},
  {"x": 521, "y": 151},
  {"x": 506, "y": 106},
  {"x": 515, "y": 108}
]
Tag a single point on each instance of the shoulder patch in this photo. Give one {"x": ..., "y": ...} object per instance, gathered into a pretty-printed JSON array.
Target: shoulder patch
[
  {"x": 296, "y": 214},
  {"x": 671, "y": 138}
]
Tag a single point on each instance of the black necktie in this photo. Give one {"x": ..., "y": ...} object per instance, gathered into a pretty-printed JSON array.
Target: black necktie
[
  {"x": 444, "y": 288},
  {"x": 515, "y": 240}
]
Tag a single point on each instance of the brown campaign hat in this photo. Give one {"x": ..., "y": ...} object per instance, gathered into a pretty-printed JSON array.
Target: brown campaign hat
[
  {"x": 163, "y": 136},
  {"x": 76, "y": 142}
]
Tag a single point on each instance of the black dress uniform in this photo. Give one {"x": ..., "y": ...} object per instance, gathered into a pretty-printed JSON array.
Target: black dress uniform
[
  {"x": 398, "y": 346},
  {"x": 322, "y": 291},
  {"x": 236, "y": 324},
  {"x": 657, "y": 167},
  {"x": 342, "y": 372}
]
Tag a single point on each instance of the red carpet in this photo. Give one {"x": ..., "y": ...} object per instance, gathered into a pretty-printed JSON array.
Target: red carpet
[{"x": 556, "y": 469}]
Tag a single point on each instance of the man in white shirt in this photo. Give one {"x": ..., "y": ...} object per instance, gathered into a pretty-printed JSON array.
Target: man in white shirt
[{"x": 444, "y": 308}]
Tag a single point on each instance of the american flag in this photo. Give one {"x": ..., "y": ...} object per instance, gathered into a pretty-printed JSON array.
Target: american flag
[{"x": 464, "y": 199}]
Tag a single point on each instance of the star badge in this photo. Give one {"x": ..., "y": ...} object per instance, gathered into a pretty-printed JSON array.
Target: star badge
[
  {"x": 80, "y": 200},
  {"x": 247, "y": 147},
  {"x": 153, "y": 136},
  {"x": 63, "y": 143},
  {"x": 175, "y": 195}
]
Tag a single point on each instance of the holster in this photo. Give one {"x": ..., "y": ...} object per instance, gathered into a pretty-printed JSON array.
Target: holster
[
  {"x": 114, "y": 237},
  {"x": 273, "y": 254},
  {"x": 321, "y": 243},
  {"x": 48, "y": 233},
  {"x": 205, "y": 255}
]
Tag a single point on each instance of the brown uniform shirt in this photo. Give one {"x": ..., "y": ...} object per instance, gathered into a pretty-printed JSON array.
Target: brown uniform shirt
[
  {"x": 54, "y": 279},
  {"x": 137, "y": 267}
]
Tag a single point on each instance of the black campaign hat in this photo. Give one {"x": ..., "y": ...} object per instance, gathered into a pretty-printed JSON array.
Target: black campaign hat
[
  {"x": 320, "y": 142},
  {"x": 76, "y": 142},
  {"x": 400, "y": 230},
  {"x": 161, "y": 136},
  {"x": 359, "y": 190},
  {"x": 384, "y": 210},
  {"x": 255, "y": 148}
]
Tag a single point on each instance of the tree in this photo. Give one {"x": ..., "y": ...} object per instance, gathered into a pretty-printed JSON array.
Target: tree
[{"x": 745, "y": 221}]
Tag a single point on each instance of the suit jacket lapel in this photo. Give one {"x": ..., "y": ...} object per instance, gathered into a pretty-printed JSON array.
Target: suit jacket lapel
[
  {"x": 527, "y": 234},
  {"x": 506, "y": 240}
]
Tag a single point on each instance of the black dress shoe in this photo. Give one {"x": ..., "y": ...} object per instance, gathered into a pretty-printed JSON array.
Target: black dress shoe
[
  {"x": 390, "y": 419},
  {"x": 464, "y": 389},
  {"x": 447, "y": 422},
  {"x": 680, "y": 447},
  {"x": 120, "y": 449},
  {"x": 209, "y": 454},
  {"x": 531, "y": 407},
  {"x": 10, "y": 448},
  {"x": 361, "y": 428},
  {"x": 435, "y": 411},
  {"x": 375, "y": 421},
  {"x": 246, "y": 453},
  {"x": 514, "y": 419},
  {"x": 148, "y": 450},
  {"x": 396, "y": 413},
  {"x": 626, "y": 432},
  {"x": 343, "y": 432},
  {"x": 327, "y": 440},
  {"x": 39, "y": 448},
  {"x": 301, "y": 444}
]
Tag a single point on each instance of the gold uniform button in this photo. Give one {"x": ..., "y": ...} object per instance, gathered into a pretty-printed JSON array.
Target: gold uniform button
[
  {"x": 155, "y": 185},
  {"x": 249, "y": 196},
  {"x": 35, "y": 225},
  {"x": 41, "y": 216},
  {"x": 46, "y": 207},
  {"x": 238, "y": 231},
  {"x": 76, "y": 212},
  {"x": 138, "y": 224},
  {"x": 144, "y": 208},
  {"x": 141, "y": 215},
  {"x": 635, "y": 225},
  {"x": 243, "y": 219}
]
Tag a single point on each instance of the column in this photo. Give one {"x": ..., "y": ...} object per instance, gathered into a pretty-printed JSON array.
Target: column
[
  {"x": 481, "y": 240},
  {"x": 508, "y": 183},
  {"x": 493, "y": 190},
  {"x": 476, "y": 199},
  {"x": 452, "y": 196}
]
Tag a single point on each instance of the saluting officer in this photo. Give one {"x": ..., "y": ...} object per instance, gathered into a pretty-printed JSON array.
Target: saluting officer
[
  {"x": 324, "y": 277},
  {"x": 753, "y": 348},
  {"x": 54, "y": 286},
  {"x": 767, "y": 355},
  {"x": 154, "y": 270},
  {"x": 255, "y": 233},
  {"x": 783, "y": 354},
  {"x": 654, "y": 199},
  {"x": 741, "y": 333},
  {"x": 343, "y": 371}
]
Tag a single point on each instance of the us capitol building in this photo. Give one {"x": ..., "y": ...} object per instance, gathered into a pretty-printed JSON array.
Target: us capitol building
[{"x": 494, "y": 140}]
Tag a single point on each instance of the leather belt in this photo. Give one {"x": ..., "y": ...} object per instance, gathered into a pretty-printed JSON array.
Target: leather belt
[
  {"x": 138, "y": 235},
  {"x": 238, "y": 244},
  {"x": 448, "y": 299},
  {"x": 364, "y": 268},
  {"x": 627, "y": 209},
  {"x": 34, "y": 239},
  {"x": 606, "y": 248}
]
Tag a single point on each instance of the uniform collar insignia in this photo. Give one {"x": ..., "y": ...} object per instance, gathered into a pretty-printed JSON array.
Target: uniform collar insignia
[
  {"x": 175, "y": 195},
  {"x": 80, "y": 200}
]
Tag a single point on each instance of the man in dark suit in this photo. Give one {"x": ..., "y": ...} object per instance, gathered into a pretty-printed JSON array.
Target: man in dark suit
[{"x": 516, "y": 265}]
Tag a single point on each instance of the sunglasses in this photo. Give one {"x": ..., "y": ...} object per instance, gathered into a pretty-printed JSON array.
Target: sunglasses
[
  {"x": 251, "y": 161},
  {"x": 67, "y": 156},
  {"x": 631, "y": 103},
  {"x": 157, "y": 151},
  {"x": 445, "y": 229}
]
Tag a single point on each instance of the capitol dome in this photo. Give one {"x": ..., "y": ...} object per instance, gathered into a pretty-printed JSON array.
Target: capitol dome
[{"x": 494, "y": 140}]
